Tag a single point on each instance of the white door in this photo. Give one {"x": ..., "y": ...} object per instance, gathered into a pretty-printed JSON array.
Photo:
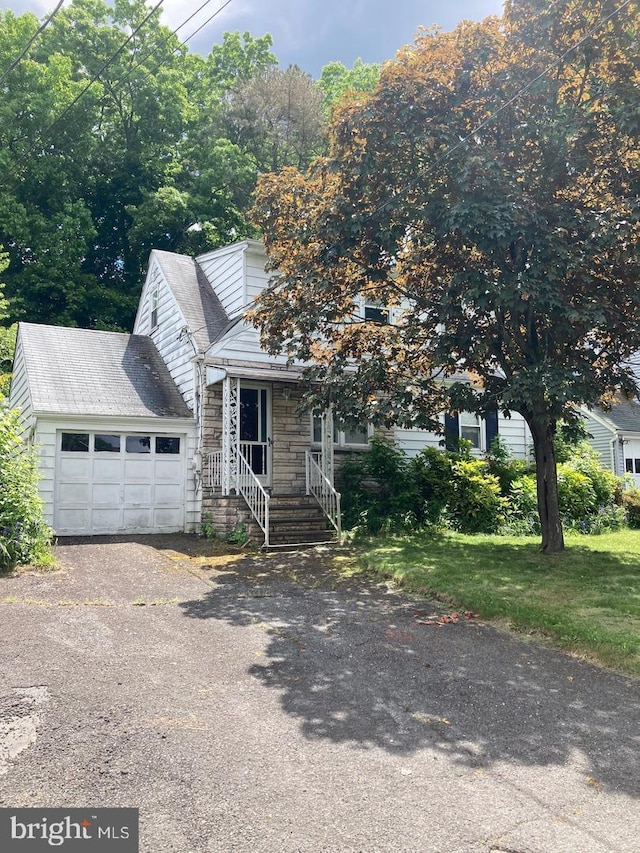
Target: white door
[
  {"x": 119, "y": 483},
  {"x": 255, "y": 430}
]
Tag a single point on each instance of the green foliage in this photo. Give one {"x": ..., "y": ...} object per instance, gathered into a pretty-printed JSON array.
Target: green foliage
[
  {"x": 631, "y": 503},
  {"x": 336, "y": 80},
  {"x": 207, "y": 528},
  {"x": 383, "y": 489},
  {"x": 24, "y": 537},
  {"x": 238, "y": 535},
  {"x": 476, "y": 504},
  {"x": 377, "y": 489},
  {"x": 146, "y": 157},
  {"x": 432, "y": 471}
]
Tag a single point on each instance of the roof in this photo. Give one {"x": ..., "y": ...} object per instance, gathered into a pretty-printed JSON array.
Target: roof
[
  {"x": 86, "y": 372},
  {"x": 625, "y": 416},
  {"x": 201, "y": 308}
]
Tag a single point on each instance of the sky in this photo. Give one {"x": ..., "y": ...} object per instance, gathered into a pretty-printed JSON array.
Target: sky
[{"x": 311, "y": 33}]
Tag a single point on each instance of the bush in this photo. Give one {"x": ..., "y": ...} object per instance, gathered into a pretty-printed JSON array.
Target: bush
[
  {"x": 631, "y": 503},
  {"x": 522, "y": 513},
  {"x": 377, "y": 489},
  {"x": 431, "y": 471},
  {"x": 24, "y": 537},
  {"x": 476, "y": 504}
]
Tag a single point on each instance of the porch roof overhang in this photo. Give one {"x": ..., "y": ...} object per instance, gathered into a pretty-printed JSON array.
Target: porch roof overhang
[{"x": 217, "y": 372}]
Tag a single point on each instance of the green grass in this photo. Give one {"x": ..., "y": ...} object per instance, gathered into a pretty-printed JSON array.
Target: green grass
[{"x": 586, "y": 600}]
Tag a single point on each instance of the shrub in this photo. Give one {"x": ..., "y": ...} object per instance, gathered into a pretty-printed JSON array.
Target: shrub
[
  {"x": 24, "y": 537},
  {"x": 431, "y": 471},
  {"x": 631, "y": 503},
  {"x": 502, "y": 465},
  {"x": 377, "y": 489},
  {"x": 476, "y": 505},
  {"x": 522, "y": 513}
]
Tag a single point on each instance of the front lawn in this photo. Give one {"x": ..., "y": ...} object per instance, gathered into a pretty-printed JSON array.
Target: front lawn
[{"x": 586, "y": 600}]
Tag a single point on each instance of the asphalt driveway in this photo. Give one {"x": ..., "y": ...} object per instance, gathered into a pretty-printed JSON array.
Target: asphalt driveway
[{"x": 253, "y": 704}]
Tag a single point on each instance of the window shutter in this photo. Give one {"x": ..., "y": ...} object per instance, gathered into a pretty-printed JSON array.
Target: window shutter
[
  {"x": 491, "y": 425},
  {"x": 451, "y": 432}
]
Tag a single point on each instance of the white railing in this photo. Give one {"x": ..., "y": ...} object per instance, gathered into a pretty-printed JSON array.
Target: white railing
[
  {"x": 251, "y": 489},
  {"x": 319, "y": 485},
  {"x": 213, "y": 469}
]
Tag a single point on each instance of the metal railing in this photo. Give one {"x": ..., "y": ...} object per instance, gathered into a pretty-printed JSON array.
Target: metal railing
[
  {"x": 213, "y": 469},
  {"x": 319, "y": 485},
  {"x": 252, "y": 490}
]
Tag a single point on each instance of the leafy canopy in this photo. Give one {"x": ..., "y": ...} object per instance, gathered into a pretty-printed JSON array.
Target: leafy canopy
[{"x": 509, "y": 252}]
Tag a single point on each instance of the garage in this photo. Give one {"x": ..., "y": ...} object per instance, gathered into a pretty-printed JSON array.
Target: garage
[{"x": 116, "y": 482}]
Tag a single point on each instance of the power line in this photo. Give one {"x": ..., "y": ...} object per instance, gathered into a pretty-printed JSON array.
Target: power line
[
  {"x": 170, "y": 35},
  {"x": 23, "y": 53},
  {"x": 427, "y": 170},
  {"x": 95, "y": 77}
]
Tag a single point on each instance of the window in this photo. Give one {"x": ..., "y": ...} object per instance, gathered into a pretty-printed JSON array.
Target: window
[
  {"x": 107, "y": 444},
  {"x": 154, "y": 309},
  {"x": 167, "y": 445},
  {"x": 376, "y": 313},
  {"x": 470, "y": 428},
  {"x": 354, "y": 436},
  {"x": 75, "y": 442},
  {"x": 138, "y": 444},
  {"x": 628, "y": 466}
]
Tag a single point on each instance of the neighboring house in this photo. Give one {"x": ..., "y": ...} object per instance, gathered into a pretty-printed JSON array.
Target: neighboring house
[
  {"x": 616, "y": 437},
  {"x": 188, "y": 419}
]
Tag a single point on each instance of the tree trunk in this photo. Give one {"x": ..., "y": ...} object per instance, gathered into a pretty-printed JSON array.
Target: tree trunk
[{"x": 547, "y": 485}]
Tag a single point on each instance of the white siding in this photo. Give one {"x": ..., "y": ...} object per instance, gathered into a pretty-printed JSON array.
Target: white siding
[
  {"x": 19, "y": 395},
  {"x": 516, "y": 433},
  {"x": 514, "y": 430},
  {"x": 256, "y": 278},
  {"x": 412, "y": 441},
  {"x": 225, "y": 271},
  {"x": 242, "y": 343},
  {"x": 601, "y": 439},
  {"x": 175, "y": 349}
]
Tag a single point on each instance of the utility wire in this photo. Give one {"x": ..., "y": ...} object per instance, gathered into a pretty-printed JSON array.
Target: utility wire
[
  {"x": 23, "y": 53},
  {"x": 170, "y": 35},
  {"x": 96, "y": 76},
  {"x": 432, "y": 166}
]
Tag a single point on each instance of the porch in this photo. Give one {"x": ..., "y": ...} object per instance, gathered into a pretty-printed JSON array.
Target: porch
[{"x": 264, "y": 464}]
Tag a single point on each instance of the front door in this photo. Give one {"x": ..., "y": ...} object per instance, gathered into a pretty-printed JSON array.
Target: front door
[{"x": 255, "y": 430}]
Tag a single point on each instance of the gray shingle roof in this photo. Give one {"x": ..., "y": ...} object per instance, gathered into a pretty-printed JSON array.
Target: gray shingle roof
[
  {"x": 201, "y": 308},
  {"x": 625, "y": 416},
  {"x": 85, "y": 372}
]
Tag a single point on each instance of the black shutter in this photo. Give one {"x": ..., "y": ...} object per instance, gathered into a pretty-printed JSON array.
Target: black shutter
[
  {"x": 491, "y": 425},
  {"x": 451, "y": 433}
]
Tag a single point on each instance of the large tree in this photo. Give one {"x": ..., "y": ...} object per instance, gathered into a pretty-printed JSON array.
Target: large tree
[{"x": 488, "y": 190}]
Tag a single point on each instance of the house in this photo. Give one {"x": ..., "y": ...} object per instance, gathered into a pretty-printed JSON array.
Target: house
[
  {"x": 187, "y": 419},
  {"x": 615, "y": 435}
]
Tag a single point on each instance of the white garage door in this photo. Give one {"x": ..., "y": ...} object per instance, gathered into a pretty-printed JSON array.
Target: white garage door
[
  {"x": 632, "y": 459},
  {"x": 119, "y": 483}
]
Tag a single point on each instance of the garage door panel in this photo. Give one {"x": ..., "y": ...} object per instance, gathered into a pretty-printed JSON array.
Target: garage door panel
[
  {"x": 74, "y": 494},
  {"x": 104, "y": 519},
  {"x": 107, "y": 469},
  {"x": 170, "y": 519},
  {"x": 168, "y": 470},
  {"x": 100, "y": 491},
  {"x": 137, "y": 519},
  {"x": 71, "y": 468},
  {"x": 138, "y": 469},
  {"x": 138, "y": 493},
  {"x": 70, "y": 520},
  {"x": 105, "y": 494},
  {"x": 168, "y": 493}
]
